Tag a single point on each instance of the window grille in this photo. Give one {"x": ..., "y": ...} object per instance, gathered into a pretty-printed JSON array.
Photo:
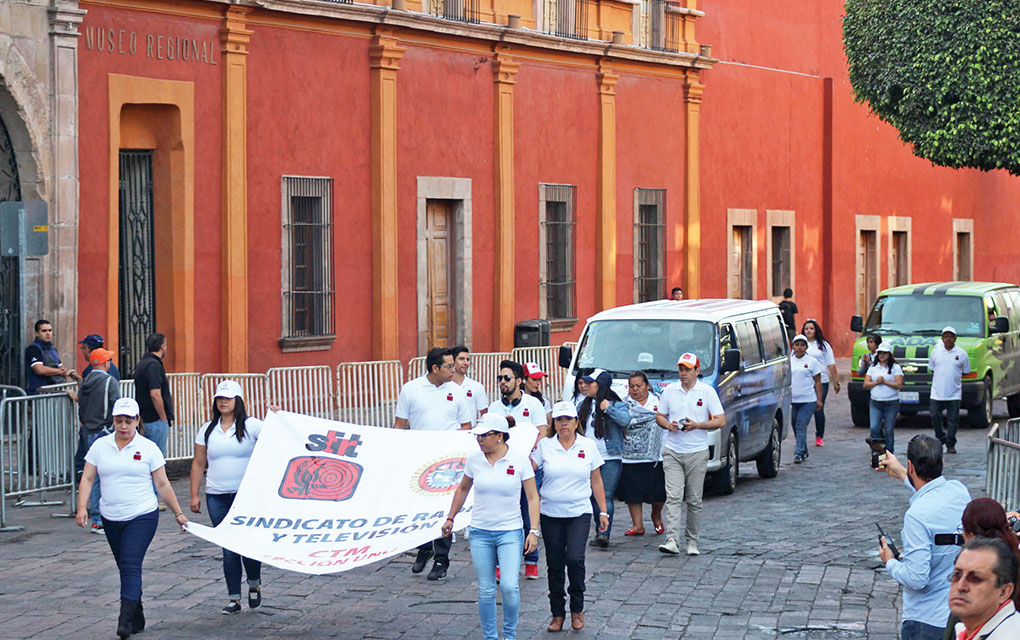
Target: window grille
[
  {"x": 308, "y": 292},
  {"x": 558, "y": 225},
  {"x": 649, "y": 244}
]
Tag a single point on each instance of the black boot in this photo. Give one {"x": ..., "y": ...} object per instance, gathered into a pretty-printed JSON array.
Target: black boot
[
  {"x": 126, "y": 623},
  {"x": 139, "y": 618}
]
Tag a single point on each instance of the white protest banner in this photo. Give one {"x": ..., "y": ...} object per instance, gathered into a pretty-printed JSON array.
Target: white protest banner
[{"x": 322, "y": 497}]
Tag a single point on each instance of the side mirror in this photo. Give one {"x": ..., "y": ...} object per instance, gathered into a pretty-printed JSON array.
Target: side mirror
[
  {"x": 731, "y": 361},
  {"x": 857, "y": 324},
  {"x": 1001, "y": 325},
  {"x": 565, "y": 356}
]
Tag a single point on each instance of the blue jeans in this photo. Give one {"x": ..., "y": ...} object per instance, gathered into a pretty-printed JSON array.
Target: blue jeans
[
  {"x": 506, "y": 547},
  {"x": 94, "y": 516},
  {"x": 820, "y": 413},
  {"x": 219, "y": 504},
  {"x": 883, "y": 420},
  {"x": 952, "y": 409},
  {"x": 129, "y": 540},
  {"x": 802, "y": 412},
  {"x": 611, "y": 471},
  {"x": 914, "y": 630},
  {"x": 158, "y": 432}
]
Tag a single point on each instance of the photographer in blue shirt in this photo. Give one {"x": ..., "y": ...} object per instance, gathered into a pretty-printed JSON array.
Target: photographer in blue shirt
[{"x": 924, "y": 568}]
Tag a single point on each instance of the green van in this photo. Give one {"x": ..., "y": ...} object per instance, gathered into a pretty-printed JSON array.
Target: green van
[{"x": 986, "y": 316}]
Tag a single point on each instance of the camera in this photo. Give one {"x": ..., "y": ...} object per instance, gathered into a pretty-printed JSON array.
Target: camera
[
  {"x": 946, "y": 539},
  {"x": 1014, "y": 524}
]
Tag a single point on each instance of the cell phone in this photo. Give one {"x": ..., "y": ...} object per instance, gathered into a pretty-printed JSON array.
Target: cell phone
[
  {"x": 888, "y": 541},
  {"x": 946, "y": 539},
  {"x": 877, "y": 451}
]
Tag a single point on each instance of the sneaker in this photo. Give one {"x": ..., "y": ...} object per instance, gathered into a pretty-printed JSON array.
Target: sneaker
[
  {"x": 601, "y": 541},
  {"x": 692, "y": 549},
  {"x": 422, "y": 559},
  {"x": 97, "y": 528},
  {"x": 438, "y": 572},
  {"x": 254, "y": 597},
  {"x": 531, "y": 572},
  {"x": 670, "y": 546},
  {"x": 950, "y": 449},
  {"x": 798, "y": 459},
  {"x": 231, "y": 608},
  {"x": 819, "y": 442}
]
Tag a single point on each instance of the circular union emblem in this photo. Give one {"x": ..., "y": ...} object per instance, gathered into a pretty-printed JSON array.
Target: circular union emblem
[{"x": 438, "y": 476}]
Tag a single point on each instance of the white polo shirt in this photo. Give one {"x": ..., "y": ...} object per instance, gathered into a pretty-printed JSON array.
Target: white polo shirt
[
  {"x": 227, "y": 457},
  {"x": 125, "y": 476},
  {"x": 825, "y": 358},
  {"x": 883, "y": 392},
  {"x": 497, "y": 490},
  {"x": 529, "y": 410},
  {"x": 427, "y": 407},
  {"x": 802, "y": 378},
  {"x": 700, "y": 404},
  {"x": 475, "y": 396},
  {"x": 566, "y": 479},
  {"x": 948, "y": 369}
]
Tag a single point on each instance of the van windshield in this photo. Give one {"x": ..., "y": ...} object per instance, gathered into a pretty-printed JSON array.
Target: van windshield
[
  {"x": 653, "y": 346},
  {"x": 927, "y": 315}
]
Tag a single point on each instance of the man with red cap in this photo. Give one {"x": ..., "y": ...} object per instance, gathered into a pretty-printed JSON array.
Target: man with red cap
[{"x": 688, "y": 410}]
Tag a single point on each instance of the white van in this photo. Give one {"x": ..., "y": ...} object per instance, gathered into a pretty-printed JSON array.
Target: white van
[{"x": 744, "y": 353}]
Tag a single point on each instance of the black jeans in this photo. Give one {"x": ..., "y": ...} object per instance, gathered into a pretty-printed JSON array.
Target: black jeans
[
  {"x": 952, "y": 419},
  {"x": 565, "y": 540},
  {"x": 441, "y": 547}
]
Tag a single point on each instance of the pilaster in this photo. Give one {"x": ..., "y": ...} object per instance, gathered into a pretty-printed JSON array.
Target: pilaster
[
  {"x": 693, "y": 90},
  {"x": 384, "y": 55},
  {"x": 605, "y": 205},
  {"x": 234, "y": 245},
  {"x": 504, "y": 70}
]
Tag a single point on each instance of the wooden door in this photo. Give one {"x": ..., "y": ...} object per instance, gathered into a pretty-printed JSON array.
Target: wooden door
[
  {"x": 438, "y": 240},
  {"x": 867, "y": 274}
]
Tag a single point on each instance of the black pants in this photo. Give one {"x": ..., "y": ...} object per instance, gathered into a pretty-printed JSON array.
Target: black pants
[
  {"x": 565, "y": 540},
  {"x": 441, "y": 547}
]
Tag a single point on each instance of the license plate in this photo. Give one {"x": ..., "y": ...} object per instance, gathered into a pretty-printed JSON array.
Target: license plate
[{"x": 909, "y": 396}]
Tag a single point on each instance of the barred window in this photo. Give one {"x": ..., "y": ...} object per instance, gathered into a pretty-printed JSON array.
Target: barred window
[
  {"x": 781, "y": 260},
  {"x": 307, "y": 262},
  {"x": 556, "y": 219},
  {"x": 649, "y": 244}
]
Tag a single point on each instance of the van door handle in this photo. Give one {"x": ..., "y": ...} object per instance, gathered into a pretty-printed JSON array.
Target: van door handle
[{"x": 738, "y": 391}]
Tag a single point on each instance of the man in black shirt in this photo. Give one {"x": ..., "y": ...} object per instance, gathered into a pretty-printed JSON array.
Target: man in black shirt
[
  {"x": 789, "y": 309},
  {"x": 152, "y": 391}
]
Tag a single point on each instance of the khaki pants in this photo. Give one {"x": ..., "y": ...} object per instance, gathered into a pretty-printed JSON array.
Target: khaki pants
[{"x": 685, "y": 482}]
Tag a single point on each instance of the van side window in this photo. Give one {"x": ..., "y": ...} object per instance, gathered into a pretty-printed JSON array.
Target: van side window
[
  {"x": 747, "y": 341},
  {"x": 773, "y": 337},
  {"x": 726, "y": 341}
]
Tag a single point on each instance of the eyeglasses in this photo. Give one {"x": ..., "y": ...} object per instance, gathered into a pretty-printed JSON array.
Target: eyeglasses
[
  {"x": 504, "y": 378},
  {"x": 971, "y": 577},
  {"x": 483, "y": 436},
  {"x": 450, "y": 366}
]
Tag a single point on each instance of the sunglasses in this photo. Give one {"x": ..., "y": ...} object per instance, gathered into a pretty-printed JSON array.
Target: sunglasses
[
  {"x": 504, "y": 378},
  {"x": 971, "y": 577},
  {"x": 483, "y": 436}
]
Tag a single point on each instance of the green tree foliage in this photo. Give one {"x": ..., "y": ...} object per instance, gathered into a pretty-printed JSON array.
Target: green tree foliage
[{"x": 945, "y": 73}]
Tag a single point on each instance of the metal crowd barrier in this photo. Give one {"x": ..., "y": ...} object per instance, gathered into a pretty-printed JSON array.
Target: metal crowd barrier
[
  {"x": 306, "y": 390},
  {"x": 367, "y": 391},
  {"x": 1002, "y": 479},
  {"x": 9, "y": 391},
  {"x": 38, "y": 438}
]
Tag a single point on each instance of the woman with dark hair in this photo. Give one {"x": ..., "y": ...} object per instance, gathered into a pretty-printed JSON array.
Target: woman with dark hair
[
  {"x": 604, "y": 416},
  {"x": 884, "y": 379},
  {"x": 498, "y": 476},
  {"x": 869, "y": 358},
  {"x": 642, "y": 479},
  {"x": 226, "y": 443},
  {"x": 821, "y": 351}
]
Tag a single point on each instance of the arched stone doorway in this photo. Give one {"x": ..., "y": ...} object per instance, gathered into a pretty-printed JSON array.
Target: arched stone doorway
[{"x": 10, "y": 296}]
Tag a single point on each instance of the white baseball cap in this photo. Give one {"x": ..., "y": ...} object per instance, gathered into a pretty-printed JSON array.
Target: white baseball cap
[
  {"x": 688, "y": 360},
  {"x": 228, "y": 389},
  {"x": 949, "y": 329},
  {"x": 884, "y": 347},
  {"x": 799, "y": 336},
  {"x": 125, "y": 407},
  {"x": 562, "y": 409},
  {"x": 491, "y": 422}
]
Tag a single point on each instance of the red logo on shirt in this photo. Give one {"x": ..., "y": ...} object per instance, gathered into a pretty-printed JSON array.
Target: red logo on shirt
[
  {"x": 806, "y": 367},
  {"x": 138, "y": 455},
  {"x": 510, "y": 470},
  {"x": 700, "y": 402},
  {"x": 526, "y": 413},
  {"x": 957, "y": 357},
  {"x": 449, "y": 397},
  {"x": 580, "y": 454},
  {"x": 655, "y": 407},
  {"x": 469, "y": 393}
]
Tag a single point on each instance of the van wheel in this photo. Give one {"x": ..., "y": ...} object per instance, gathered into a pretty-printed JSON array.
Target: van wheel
[
  {"x": 1013, "y": 405},
  {"x": 768, "y": 460},
  {"x": 859, "y": 415},
  {"x": 726, "y": 476},
  {"x": 980, "y": 416}
]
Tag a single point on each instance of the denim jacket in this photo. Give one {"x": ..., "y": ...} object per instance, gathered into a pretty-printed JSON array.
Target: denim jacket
[{"x": 618, "y": 418}]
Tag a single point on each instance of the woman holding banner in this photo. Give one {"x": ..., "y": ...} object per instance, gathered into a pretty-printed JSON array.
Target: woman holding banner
[
  {"x": 226, "y": 443},
  {"x": 571, "y": 482},
  {"x": 497, "y": 475},
  {"x": 127, "y": 465}
]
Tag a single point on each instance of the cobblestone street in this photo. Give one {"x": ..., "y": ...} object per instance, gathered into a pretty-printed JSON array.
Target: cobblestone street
[{"x": 792, "y": 557}]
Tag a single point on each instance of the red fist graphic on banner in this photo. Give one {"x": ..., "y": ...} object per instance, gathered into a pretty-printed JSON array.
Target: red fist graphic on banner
[{"x": 320, "y": 478}]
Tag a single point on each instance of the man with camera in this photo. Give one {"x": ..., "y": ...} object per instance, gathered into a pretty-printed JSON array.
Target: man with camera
[{"x": 923, "y": 568}]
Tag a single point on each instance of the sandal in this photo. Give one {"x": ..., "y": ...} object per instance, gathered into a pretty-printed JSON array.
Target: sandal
[
  {"x": 634, "y": 532},
  {"x": 659, "y": 528}
]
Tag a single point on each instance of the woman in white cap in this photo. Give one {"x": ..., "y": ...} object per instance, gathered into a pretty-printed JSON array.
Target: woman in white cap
[
  {"x": 884, "y": 379},
  {"x": 226, "y": 443},
  {"x": 806, "y": 393},
  {"x": 571, "y": 481},
  {"x": 127, "y": 465},
  {"x": 497, "y": 474}
]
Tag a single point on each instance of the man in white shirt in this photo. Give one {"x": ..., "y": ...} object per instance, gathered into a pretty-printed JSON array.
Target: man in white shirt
[
  {"x": 688, "y": 410},
  {"x": 981, "y": 591},
  {"x": 433, "y": 402},
  {"x": 948, "y": 363},
  {"x": 513, "y": 402},
  {"x": 474, "y": 392}
]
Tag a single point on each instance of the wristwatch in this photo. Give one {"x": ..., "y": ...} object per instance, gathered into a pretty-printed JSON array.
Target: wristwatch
[{"x": 538, "y": 534}]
